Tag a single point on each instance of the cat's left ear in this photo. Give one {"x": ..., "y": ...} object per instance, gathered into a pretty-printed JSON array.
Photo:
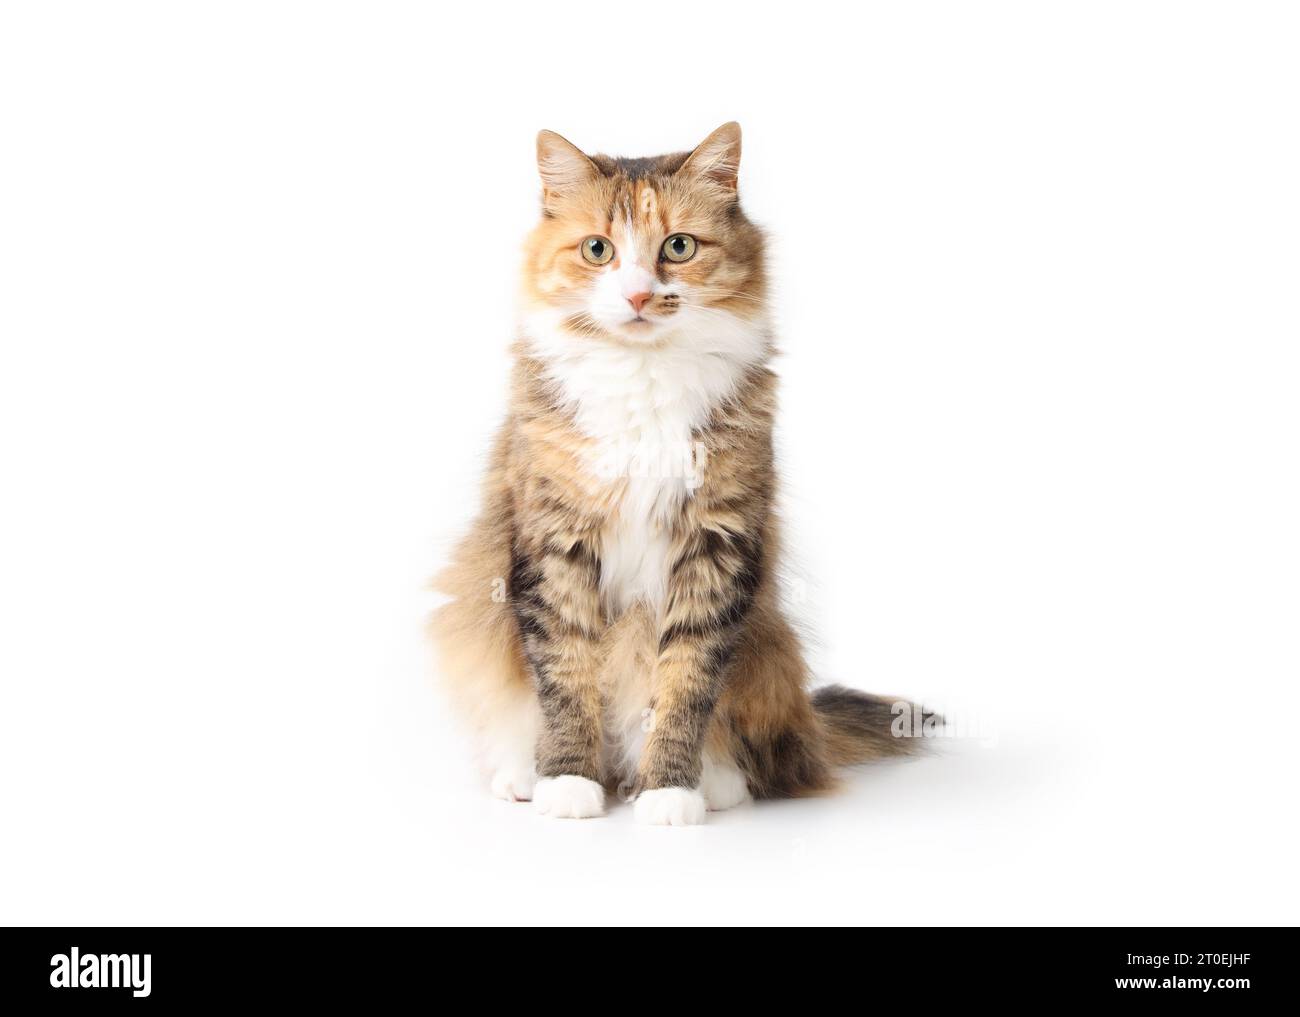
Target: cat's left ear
[
  {"x": 717, "y": 157},
  {"x": 562, "y": 164}
]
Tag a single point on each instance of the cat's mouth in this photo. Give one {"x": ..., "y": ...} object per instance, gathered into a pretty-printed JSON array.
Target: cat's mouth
[{"x": 639, "y": 330}]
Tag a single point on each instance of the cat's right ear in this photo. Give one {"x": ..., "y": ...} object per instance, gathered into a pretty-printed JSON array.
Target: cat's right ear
[{"x": 563, "y": 165}]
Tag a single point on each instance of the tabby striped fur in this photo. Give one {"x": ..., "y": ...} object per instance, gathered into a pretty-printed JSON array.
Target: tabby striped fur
[{"x": 611, "y": 627}]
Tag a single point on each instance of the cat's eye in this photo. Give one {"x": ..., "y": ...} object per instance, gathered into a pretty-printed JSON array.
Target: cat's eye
[
  {"x": 597, "y": 250},
  {"x": 679, "y": 247}
]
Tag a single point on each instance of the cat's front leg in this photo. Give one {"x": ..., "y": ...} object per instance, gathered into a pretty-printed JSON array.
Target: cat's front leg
[
  {"x": 554, "y": 591},
  {"x": 712, "y": 585}
]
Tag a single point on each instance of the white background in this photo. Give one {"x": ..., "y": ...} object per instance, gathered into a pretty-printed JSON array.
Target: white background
[{"x": 1036, "y": 269}]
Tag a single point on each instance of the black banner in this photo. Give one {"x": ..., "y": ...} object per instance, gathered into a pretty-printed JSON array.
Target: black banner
[{"x": 159, "y": 968}]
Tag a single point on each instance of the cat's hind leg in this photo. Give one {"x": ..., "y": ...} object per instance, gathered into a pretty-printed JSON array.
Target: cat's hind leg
[
  {"x": 722, "y": 782},
  {"x": 489, "y": 683},
  {"x": 481, "y": 664},
  {"x": 510, "y": 749}
]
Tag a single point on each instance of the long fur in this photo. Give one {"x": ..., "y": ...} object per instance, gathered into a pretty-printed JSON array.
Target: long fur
[{"x": 613, "y": 616}]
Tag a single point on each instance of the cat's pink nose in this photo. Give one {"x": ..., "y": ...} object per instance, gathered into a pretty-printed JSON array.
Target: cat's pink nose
[{"x": 639, "y": 300}]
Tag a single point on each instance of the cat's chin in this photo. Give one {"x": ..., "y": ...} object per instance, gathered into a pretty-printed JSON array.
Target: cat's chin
[{"x": 638, "y": 332}]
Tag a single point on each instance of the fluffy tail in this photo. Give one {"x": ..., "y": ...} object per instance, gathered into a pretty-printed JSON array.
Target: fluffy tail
[
  {"x": 860, "y": 727},
  {"x": 844, "y": 726}
]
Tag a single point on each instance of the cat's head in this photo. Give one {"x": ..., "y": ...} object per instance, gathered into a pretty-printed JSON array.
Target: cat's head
[{"x": 641, "y": 251}]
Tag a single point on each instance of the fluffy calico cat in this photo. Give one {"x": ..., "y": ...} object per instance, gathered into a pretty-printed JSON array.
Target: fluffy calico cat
[{"x": 614, "y": 617}]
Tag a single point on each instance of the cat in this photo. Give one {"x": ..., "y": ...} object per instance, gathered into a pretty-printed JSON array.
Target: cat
[{"x": 613, "y": 617}]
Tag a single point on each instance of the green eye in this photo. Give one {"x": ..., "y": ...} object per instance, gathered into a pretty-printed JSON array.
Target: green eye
[
  {"x": 679, "y": 247},
  {"x": 597, "y": 250}
]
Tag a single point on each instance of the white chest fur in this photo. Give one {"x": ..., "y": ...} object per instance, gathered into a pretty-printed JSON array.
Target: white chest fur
[{"x": 642, "y": 406}]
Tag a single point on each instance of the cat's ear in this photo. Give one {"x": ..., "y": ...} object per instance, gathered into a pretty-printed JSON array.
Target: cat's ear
[
  {"x": 717, "y": 157},
  {"x": 563, "y": 165}
]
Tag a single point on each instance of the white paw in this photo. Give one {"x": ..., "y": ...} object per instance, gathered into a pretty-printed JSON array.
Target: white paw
[
  {"x": 723, "y": 785},
  {"x": 514, "y": 782},
  {"x": 569, "y": 797},
  {"x": 670, "y": 806}
]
